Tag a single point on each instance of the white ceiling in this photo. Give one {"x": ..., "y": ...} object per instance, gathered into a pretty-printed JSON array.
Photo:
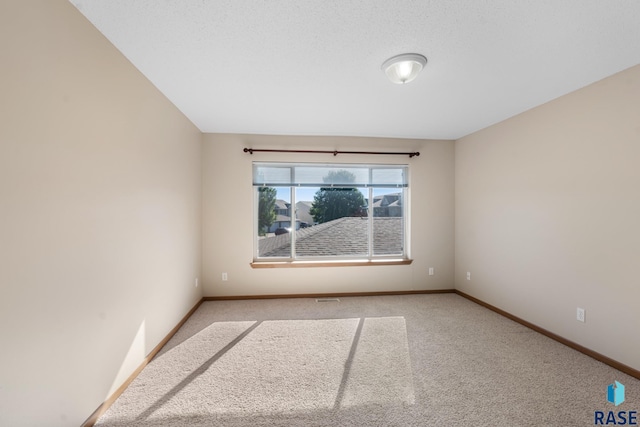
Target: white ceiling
[{"x": 312, "y": 67}]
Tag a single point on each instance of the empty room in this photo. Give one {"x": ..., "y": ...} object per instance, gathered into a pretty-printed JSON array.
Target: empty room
[{"x": 306, "y": 213}]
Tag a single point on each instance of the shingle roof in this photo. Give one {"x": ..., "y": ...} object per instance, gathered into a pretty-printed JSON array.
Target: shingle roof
[{"x": 344, "y": 236}]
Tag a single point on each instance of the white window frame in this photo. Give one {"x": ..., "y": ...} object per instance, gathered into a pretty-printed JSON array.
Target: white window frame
[{"x": 368, "y": 189}]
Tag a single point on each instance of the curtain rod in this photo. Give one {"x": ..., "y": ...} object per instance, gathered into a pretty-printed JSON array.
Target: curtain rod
[{"x": 334, "y": 152}]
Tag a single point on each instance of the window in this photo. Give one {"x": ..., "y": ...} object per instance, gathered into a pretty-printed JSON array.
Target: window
[{"x": 329, "y": 212}]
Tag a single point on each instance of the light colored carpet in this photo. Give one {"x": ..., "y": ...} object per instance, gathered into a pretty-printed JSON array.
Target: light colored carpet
[{"x": 364, "y": 361}]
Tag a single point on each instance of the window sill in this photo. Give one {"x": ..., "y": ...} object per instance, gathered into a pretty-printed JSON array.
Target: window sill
[{"x": 306, "y": 264}]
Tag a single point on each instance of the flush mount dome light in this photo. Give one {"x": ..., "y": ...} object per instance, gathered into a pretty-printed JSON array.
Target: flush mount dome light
[{"x": 403, "y": 68}]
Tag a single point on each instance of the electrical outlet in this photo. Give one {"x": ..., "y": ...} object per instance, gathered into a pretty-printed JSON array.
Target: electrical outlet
[
  {"x": 225, "y": 277},
  {"x": 431, "y": 271},
  {"x": 196, "y": 282},
  {"x": 468, "y": 275},
  {"x": 580, "y": 314}
]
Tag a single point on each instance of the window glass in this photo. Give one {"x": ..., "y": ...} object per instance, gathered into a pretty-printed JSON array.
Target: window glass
[
  {"x": 339, "y": 228},
  {"x": 274, "y": 221},
  {"x": 309, "y": 211},
  {"x": 388, "y": 222}
]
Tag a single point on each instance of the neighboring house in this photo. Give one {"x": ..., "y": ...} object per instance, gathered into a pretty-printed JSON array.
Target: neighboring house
[
  {"x": 387, "y": 205},
  {"x": 285, "y": 222},
  {"x": 282, "y": 221},
  {"x": 302, "y": 212},
  {"x": 283, "y": 215},
  {"x": 283, "y": 208}
]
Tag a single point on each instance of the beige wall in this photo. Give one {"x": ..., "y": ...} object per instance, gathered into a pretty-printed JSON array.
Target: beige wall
[
  {"x": 228, "y": 217},
  {"x": 548, "y": 215},
  {"x": 99, "y": 215},
  {"x": 101, "y": 202}
]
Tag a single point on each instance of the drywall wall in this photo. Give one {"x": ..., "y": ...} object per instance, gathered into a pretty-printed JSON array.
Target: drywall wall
[
  {"x": 547, "y": 215},
  {"x": 99, "y": 215},
  {"x": 228, "y": 217}
]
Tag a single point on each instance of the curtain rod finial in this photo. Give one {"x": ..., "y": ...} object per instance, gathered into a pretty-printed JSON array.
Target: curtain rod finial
[{"x": 248, "y": 150}]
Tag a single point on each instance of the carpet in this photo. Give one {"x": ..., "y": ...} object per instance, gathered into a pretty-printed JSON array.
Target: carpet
[{"x": 423, "y": 360}]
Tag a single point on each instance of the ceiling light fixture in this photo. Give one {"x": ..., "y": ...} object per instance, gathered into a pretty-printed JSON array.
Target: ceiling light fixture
[{"x": 403, "y": 68}]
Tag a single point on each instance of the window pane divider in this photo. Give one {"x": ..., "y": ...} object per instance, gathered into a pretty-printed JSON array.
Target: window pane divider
[{"x": 294, "y": 221}]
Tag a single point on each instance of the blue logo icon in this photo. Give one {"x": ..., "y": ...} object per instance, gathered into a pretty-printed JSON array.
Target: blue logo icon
[{"x": 615, "y": 393}]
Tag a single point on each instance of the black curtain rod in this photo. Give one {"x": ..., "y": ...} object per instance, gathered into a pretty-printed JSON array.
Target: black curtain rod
[{"x": 334, "y": 152}]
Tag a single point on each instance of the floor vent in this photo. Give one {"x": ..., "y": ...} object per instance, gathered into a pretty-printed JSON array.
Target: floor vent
[{"x": 327, "y": 300}]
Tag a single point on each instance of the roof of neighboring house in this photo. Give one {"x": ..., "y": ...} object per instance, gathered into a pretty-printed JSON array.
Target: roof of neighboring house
[
  {"x": 281, "y": 204},
  {"x": 340, "y": 237},
  {"x": 380, "y": 204},
  {"x": 393, "y": 199}
]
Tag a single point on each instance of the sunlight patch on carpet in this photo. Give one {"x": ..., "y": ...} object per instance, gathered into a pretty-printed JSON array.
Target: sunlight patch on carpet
[
  {"x": 281, "y": 366},
  {"x": 381, "y": 369}
]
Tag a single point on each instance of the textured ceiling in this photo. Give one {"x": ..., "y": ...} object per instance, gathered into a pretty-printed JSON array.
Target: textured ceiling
[{"x": 312, "y": 67}]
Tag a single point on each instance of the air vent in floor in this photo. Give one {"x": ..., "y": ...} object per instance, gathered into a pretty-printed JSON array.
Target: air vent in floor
[{"x": 327, "y": 300}]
